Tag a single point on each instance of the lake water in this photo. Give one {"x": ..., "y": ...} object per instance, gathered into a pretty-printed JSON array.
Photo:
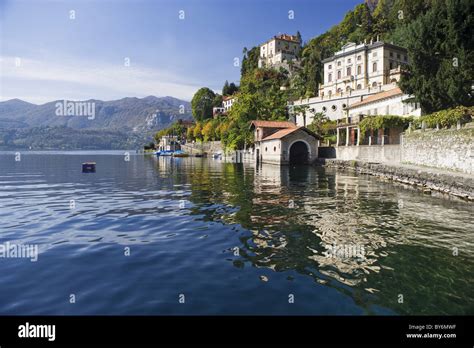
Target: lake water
[{"x": 144, "y": 235}]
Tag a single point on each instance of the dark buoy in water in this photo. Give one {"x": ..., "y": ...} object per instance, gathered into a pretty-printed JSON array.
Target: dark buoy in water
[{"x": 88, "y": 167}]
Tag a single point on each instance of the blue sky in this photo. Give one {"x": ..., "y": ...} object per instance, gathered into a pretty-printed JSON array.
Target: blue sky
[{"x": 45, "y": 55}]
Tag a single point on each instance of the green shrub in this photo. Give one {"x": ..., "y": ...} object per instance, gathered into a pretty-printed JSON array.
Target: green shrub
[
  {"x": 446, "y": 118},
  {"x": 380, "y": 122}
]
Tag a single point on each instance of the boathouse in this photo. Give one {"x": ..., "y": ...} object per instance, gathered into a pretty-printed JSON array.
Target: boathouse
[{"x": 281, "y": 142}]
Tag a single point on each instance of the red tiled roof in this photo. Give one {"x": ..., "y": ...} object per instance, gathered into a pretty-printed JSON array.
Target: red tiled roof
[
  {"x": 281, "y": 133},
  {"x": 284, "y": 132},
  {"x": 273, "y": 124},
  {"x": 378, "y": 96},
  {"x": 287, "y": 37}
]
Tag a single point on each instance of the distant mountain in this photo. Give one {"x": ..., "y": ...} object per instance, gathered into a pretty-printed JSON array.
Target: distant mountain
[{"x": 134, "y": 120}]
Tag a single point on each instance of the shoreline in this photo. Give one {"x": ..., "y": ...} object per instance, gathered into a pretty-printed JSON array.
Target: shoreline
[{"x": 427, "y": 179}]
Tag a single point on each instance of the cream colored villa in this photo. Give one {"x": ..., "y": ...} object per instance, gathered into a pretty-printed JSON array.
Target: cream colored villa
[
  {"x": 353, "y": 74},
  {"x": 391, "y": 102},
  {"x": 357, "y": 67},
  {"x": 279, "y": 49}
]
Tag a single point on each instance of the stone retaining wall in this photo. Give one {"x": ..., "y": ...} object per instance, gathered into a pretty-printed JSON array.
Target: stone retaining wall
[
  {"x": 209, "y": 147},
  {"x": 426, "y": 179},
  {"x": 374, "y": 153},
  {"x": 451, "y": 149}
]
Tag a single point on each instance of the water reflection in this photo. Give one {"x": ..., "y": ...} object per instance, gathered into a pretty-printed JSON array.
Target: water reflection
[
  {"x": 318, "y": 232},
  {"x": 367, "y": 238}
]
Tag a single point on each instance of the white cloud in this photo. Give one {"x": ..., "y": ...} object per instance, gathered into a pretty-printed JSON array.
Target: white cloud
[{"x": 75, "y": 80}]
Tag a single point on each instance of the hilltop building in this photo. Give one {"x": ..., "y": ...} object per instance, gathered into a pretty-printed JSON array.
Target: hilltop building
[
  {"x": 279, "y": 50},
  {"x": 281, "y": 143},
  {"x": 353, "y": 74},
  {"x": 227, "y": 102}
]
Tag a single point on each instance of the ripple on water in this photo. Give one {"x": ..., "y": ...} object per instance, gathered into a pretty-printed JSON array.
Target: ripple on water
[{"x": 140, "y": 234}]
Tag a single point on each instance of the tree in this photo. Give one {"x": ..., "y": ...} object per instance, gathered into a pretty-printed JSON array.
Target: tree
[
  {"x": 298, "y": 36},
  {"x": 197, "y": 131},
  {"x": 441, "y": 58},
  {"x": 233, "y": 88},
  {"x": 208, "y": 131},
  {"x": 202, "y": 103},
  {"x": 384, "y": 20},
  {"x": 161, "y": 133},
  {"x": 229, "y": 89},
  {"x": 250, "y": 60},
  {"x": 259, "y": 97},
  {"x": 190, "y": 134},
  {"x": 217, "y": 102},
  {"x": 225, "y": 89}
]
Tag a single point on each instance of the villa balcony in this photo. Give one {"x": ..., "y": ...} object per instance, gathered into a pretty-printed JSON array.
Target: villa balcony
[{"x": 395, "y": 71}]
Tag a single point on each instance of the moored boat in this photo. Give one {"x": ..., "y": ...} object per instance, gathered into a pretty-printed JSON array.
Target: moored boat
[
  {"x": 180, "y": 153},
  {"x": 164, "y": 153}
]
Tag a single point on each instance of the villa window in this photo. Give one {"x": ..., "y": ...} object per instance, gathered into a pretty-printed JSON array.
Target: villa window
[
  {"x": 349, "y": 61},
  {"x": 405, "y": 58},
  {"x": 329, "y": 77},
  {"x": 339, "y": 63},
  {"x": 391, "y": 65},
  {"x": 359, "y": 57},
  {"x": 349, "y": 71},
  {"x": 374, "y": 54},
  {"x": 274, "y": 149},
  {"x": 330, "y": 93},
  {"x": 374, "y": 84},
  {"x": 330, "y": 66},
  {"x": 398, "y": 56},
  {"x": 374, "y": 67},
  {"x": 359, "y": 70},
  {"x": 266, "y": 149},
  {"x": 391, "y": 54},
  {"x": 359, "y": 86},
  {"x": 339, "y": 74}
]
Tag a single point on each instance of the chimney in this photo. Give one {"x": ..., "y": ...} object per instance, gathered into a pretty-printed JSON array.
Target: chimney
[
  {"x": 377, "y": 38},
  {"x": 371, "y": 41}
]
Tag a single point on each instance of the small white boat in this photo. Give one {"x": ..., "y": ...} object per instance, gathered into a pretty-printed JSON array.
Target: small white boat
[{"x": 217, "y": 155}]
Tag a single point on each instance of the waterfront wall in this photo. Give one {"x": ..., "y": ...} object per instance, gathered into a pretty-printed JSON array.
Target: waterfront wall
[
  {"x": 208, "y": 147},
  {"x": 451, "y": 149},
  {"x": 426, "y": 179},
  {"x": 374, "y": 153}
]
